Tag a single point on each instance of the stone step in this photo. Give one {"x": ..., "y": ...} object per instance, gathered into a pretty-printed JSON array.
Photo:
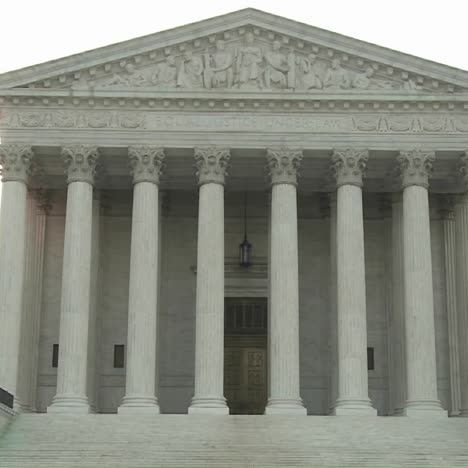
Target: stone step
[{"x": 107, "y": 441}]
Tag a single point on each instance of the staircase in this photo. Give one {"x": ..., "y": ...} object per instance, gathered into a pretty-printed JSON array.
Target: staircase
[{"x": 105, "y": 441}]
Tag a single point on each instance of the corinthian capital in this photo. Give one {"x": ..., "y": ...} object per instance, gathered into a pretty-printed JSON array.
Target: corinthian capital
[
  {"x": 16, "y": 162},
  {"x": 146, "y": 163},
  {"x": 211, "y": 163},
  {"x": 349, "y": 165},
  {"x": 415, "y": 167},
  {"x": 283, "y": 165},
  {"x": 80, "y": 162},
  {"x": 463, "y": 169}
]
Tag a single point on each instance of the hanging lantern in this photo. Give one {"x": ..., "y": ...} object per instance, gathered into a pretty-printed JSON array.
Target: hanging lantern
[{"x": 245, "y": 247}]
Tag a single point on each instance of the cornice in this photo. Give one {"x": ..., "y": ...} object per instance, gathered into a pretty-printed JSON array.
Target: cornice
[{"x": 269, "y": 101}]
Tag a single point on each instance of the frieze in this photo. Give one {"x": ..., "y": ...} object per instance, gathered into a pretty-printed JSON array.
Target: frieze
[
  {"x": 254, "y": 66},
  {"x": 295, "y": 123},
  {"x": 247, "y": 62}
]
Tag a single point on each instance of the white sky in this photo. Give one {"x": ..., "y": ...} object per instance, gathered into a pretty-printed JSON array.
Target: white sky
[{"x": 34, "y": 31}]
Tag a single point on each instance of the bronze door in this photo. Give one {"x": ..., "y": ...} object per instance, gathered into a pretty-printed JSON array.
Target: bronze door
[{"x": 245, "y": 355}]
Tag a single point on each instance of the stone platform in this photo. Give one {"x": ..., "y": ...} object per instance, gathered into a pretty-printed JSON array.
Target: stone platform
[{"x": 105, "y": 441}]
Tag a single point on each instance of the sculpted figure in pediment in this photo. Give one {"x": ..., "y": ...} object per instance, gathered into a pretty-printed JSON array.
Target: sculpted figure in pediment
[
  {"x": 131, "y": 77},
  {"x": 308, "y": 77},
  {"x": 336, "y": 76},
  {"x": 409, "y": 84},
  {"x": 248, "y": 65},
  {"x": 365, "y": 80},
  {"x": 165, "y": 74},
  {"x": 219, "y": 68},
  {"x": 191, "y": 71},
  {"x": 277, "y": 68}
]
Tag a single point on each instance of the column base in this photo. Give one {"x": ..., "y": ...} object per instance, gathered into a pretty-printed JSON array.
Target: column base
[
  {"x": 277, "y": 406},
  {"x": 354, "y": 408},
  {"x": 20, "y": 408},
  {"x": 463, "y": 413},
  {"x": 399, "y": 412},
  {"x": 69, "y": 404},
  {"x": 424, "y": 409},
  {"x": 215, "y": 406},
  {"x": 139, "y": 405}
]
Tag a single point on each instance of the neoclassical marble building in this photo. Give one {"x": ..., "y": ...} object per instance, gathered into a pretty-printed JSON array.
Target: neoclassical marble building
[{"x": 131, "y": 175}]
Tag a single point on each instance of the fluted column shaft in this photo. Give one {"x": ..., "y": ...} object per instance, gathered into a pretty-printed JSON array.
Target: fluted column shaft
[
  {"x": 76, "y": 281},
  {"x": 348, "y": 166},
  {"x": 15, "y": 161},
  {"x": 32, "y": 293},
  {"x": 140, "y": 391},
  {"x": 398, "y": 308},
  {"x": 461, "y": 235},
  {"x": 284, "y": 392},
  {"x": 209, "y": 331},
  {"x": 421, "y": 376},
  {"x": 451, "y": 254}
]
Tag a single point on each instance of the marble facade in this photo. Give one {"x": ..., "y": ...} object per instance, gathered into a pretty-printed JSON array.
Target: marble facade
[{"x": 124, "y": 174}]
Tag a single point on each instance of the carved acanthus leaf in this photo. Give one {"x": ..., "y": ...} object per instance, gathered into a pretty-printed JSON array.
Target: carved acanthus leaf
[
  {"x": 349, "y": 165},
  {"x": 283, "y": 165},
  {"x": 80, "y": 162},
  {"x": 146, "y": 163},
  {"x": 16, "y": 162},
  {"x": 415, "y": 167},
  {"x": 211, "y": 163}
]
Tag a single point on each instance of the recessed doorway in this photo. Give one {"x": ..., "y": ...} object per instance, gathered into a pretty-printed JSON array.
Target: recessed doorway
[{"x": 245, "y": 354}]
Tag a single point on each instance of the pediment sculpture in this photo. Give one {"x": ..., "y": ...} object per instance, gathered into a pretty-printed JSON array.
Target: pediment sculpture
[{"x": 252, "y": 66}]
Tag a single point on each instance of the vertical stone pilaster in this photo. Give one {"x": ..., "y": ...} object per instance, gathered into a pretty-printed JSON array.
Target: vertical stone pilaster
[
  {"x": 461, "y": 236},
  {"x": 451, "y": 253},
  {"x": 386, "y": 210},
  {"x": 211, "y": 163},
  {"x": 422, "y": 397},
  {"x": 16, "y": 165},
  {"x": 93, "y": 305},
  {"x": 72, "y": 388},
  {"x": 140, "y": 393},
  {"x": 353, "y": 397},
  {"x": 398, "y": 307},
  {"x": 284, "y": 395},
  {"x": 333, "y": 391}
]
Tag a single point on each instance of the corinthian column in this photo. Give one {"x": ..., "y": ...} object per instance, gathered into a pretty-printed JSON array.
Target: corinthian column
[
  {"x": 284, "y": 395},
  {"x": 140, "y": 392},
  {"x": 461, "y": 239},
  {"x": 348, "y": 166},
  {"x": 209, "y": 347},
  {"x": 71, "y": 396},
  {"x": 16, "y": 162},
  {"x": 421, "y": 378}
]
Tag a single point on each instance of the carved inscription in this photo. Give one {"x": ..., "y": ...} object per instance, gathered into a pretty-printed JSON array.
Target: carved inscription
[{"x": 160, "y": 121}]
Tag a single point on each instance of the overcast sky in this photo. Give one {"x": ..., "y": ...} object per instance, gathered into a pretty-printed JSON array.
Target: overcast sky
[{"x": 34, "y": 31}]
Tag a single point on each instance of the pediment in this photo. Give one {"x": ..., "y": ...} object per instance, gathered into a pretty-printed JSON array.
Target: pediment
[{"x": 247, "y": 51}]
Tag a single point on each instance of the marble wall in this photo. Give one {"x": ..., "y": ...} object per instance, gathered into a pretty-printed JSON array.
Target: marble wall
[{"x": 177, "y": 295}]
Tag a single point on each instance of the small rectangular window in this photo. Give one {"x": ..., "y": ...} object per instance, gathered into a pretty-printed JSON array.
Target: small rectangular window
[
  {"x": 370, "y": 359},
  {"x": 55, "y": 355},
  {"x": 119, "y": 356}
]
